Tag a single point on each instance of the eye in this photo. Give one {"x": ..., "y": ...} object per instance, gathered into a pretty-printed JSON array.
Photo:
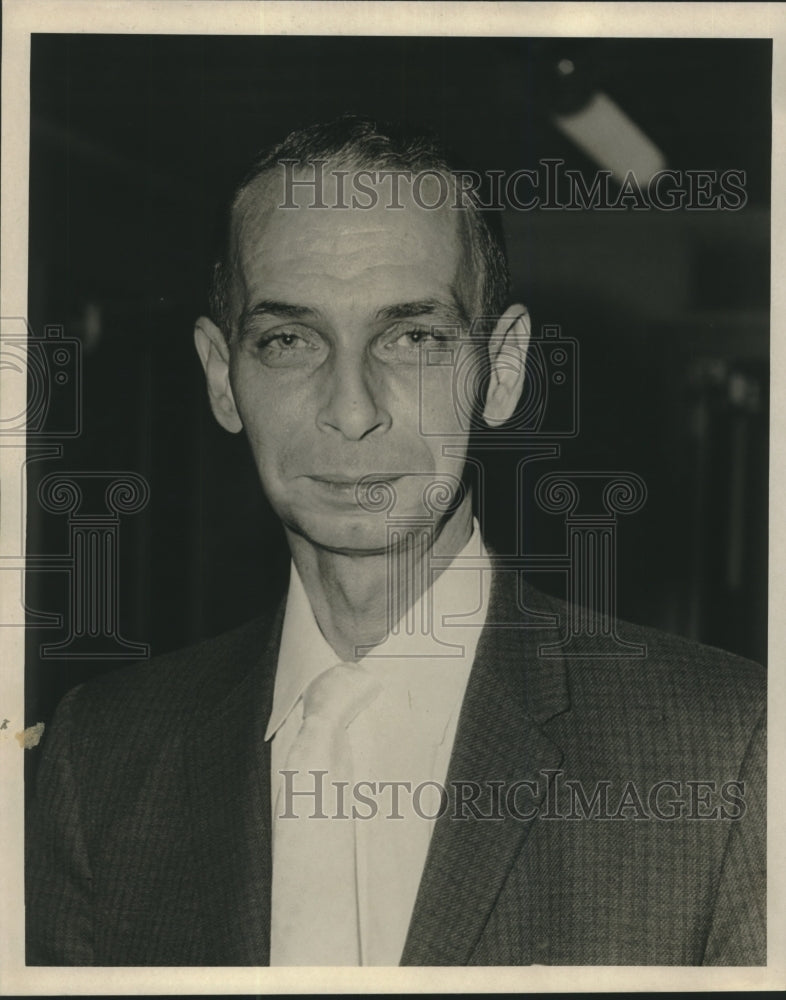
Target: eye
[
  {"x": 281, "y": 340},
  {"x": 287, "y": 347},
  {"x": 286, "y": 339},
  {"x": 433, "y": 336},
  {"x": 407, "y": 346},
  {"x": 417, "y": 336}
]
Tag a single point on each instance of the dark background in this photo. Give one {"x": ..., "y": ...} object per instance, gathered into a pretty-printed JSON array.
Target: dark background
[{"x": 133, "y": 142}]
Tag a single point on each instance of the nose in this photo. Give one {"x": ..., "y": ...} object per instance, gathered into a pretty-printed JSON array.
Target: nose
[{"x": 352, "y": 405}]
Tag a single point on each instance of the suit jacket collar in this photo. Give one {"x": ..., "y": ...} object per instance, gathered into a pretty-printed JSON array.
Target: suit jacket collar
[
  {"x": 229, "y": 786},
  {"x": 511, "y": 693}
]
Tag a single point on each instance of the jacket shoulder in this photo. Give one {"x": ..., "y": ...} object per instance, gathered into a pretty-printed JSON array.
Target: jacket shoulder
[
  {"x": 151, "y": 701},
  {"x": 644, "y": 666},
  {"x": 650, "y": 645},
  {"x": 648, "y": 700}
]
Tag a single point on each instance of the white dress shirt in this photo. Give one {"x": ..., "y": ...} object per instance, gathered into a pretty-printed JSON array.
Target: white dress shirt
[{"x": 405, "y": 735}]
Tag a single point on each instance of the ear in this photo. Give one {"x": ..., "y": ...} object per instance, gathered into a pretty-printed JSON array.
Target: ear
[
  {"x": 213, "y": 352},
  {"x": 508, "y": 356}
]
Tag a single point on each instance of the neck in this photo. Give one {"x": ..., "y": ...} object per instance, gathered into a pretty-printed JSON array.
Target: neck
[{"x": 350, "y": 594}]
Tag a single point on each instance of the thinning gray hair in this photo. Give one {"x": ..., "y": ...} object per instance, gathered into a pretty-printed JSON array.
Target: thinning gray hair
[{"x": 351, "y": 141}]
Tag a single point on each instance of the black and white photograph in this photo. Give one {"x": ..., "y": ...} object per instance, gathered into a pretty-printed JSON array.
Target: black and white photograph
[{"x": 388, "y": 495}]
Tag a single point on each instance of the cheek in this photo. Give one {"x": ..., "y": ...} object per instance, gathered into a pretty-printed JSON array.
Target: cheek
[
  {"x": 266, "y": 418},
  {"x": 451, "y": 389},
  {"x": 264, "y": 399},
  {"x": 425, "y": 405},
  {"x": 442, "y": 409}
]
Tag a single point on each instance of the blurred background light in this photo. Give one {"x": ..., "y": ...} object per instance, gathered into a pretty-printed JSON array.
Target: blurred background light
[{"x": 611, "y": 139}]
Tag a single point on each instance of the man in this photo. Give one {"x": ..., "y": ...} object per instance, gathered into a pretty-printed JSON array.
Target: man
[{"x": 264, "y": 797}]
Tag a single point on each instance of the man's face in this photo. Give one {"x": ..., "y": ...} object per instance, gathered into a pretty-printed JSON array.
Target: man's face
[{"x": 332, "y": 311}]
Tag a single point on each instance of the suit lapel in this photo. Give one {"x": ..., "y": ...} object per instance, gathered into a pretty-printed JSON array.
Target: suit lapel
[
  {"x": 511, "y": 692},
  {"x": 229, "y": 785}
]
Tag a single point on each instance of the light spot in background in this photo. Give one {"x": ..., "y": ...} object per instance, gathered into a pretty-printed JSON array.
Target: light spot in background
[{"x": 603, "y": 131}]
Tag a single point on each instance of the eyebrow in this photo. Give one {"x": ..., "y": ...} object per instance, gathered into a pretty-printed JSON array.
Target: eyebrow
[
  {"x": 453, "y": 310},
  {"x": 271, "y": 307},
  {"x": 425, "y": 307}
]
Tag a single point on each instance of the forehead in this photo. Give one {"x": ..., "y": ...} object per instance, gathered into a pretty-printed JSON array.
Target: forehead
[{"x": 339, "y": 253}]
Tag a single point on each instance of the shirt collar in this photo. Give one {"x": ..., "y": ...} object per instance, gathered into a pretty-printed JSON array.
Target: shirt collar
[{"x": 304, "y": 652}]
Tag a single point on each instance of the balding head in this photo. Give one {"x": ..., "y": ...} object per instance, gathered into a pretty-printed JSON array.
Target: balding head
[{"x": 344, "y": 149}]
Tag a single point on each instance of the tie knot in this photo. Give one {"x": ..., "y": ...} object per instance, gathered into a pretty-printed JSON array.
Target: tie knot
[{"x": 340, "y": 694}]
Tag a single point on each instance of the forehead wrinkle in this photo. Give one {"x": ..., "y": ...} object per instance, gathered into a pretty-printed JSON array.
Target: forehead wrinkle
[{"x": 250, "y": 218}]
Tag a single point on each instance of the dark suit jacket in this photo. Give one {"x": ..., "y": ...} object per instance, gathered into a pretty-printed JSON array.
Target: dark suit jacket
[{"x": 150, "y": 840}]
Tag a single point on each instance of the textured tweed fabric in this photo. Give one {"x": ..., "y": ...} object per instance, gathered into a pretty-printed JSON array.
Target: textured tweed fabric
[{"x": 620, "y": 819}]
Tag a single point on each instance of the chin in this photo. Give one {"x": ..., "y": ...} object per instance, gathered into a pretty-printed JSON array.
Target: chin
[
  {"x": 359, "y": 533},
  {"x": 348, "y": 534},
  {"x": 333, "y": 518}
]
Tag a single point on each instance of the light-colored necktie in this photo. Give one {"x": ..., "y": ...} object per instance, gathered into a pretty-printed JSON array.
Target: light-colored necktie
[{"x": 314, "y": 895}]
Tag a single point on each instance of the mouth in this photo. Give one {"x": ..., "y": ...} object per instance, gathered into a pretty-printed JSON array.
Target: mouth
[
  {"x": 338, "y": 487},
  {"x": 367, "y": 479},
  {"x": 353, "y": 488}
]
